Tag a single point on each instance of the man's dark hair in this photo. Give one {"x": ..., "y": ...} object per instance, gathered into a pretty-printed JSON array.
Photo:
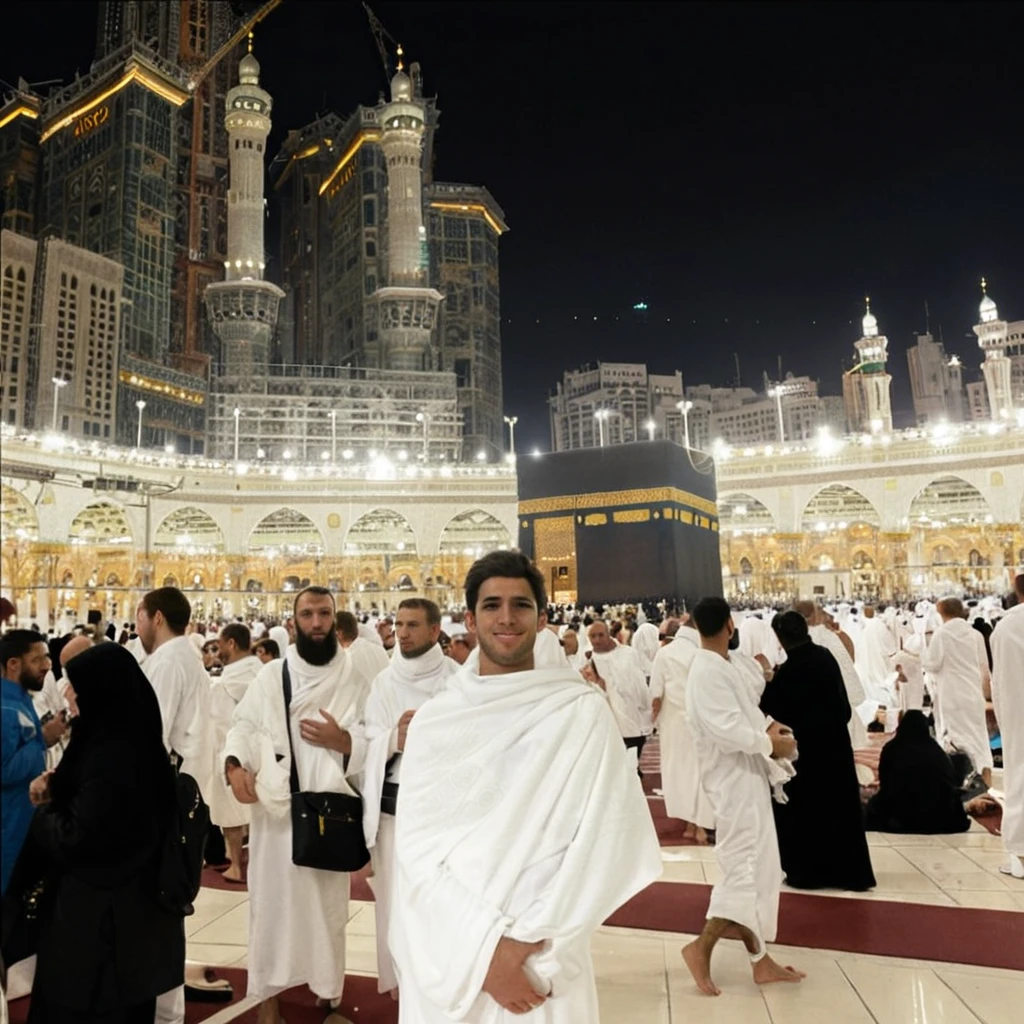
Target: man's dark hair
[
  {"x": 239, "y": 632},
  {"x": 513, "y": 565},
  {"x": 347, "y": 625},
  {"x": 316, "y": 591},
  {"x": 791, "y": 629},
  {"x": 268, "y": 645},
  {"x": 172, "y": 604},
  {"x": 432, "y": 612},
  {"x": 17, "y": 643},
  {"x": 710, "y": 614},
  {"x": 210, "y": 645},
  {"x": 875, "y": 726}
]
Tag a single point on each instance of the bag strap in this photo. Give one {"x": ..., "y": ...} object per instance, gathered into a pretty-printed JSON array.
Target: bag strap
[{"x": 287, "y": 680}]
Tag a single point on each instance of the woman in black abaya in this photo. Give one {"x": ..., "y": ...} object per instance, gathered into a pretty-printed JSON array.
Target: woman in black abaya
[
  {"x": 107, "y": 948},
  {"x": 821, "y": 829},
  {"x": 918, "y": 788}
]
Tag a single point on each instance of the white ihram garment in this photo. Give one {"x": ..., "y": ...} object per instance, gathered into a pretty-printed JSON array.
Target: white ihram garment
[
  {"x": 957, "y": 665},
  {"x": 1008, "y": 697},
  {"x": 548, "y": 651},
  {"x": 827, "y": 638},
  {"x": 368, "y": 659},
  {"x": 49, "y": 703},
  {"x": 733, "y": 746},
  {"x": 405, "y": 685},
  {"x": 626, "y": 687},
  {"x": 647, "y": 644},
  {"x": 680, "y": 766},
  {"x": 877, "y": 645},
  {"x": 909, "y": 659},
  {"x": 297, "y": 915},
  {"x": 520, "y": 816},
  {"x": 226, "y": 691}
]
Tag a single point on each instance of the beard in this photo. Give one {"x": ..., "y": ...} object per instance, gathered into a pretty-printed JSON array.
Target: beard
[
  {"x": 315, "y": 651},
  {"x": 32, "y": 683}
]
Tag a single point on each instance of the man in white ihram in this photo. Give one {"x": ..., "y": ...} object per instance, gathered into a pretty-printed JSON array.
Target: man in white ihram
[
  {"x": 182, "y": 689},
  {"x": 619, "y": 674},
  {"x": 680, "y": 766},
  {"x": 297, "y": 915},
  {"x": 735, "y": 744},
  {"x": 521, "y": 826},
  {"x": 1008, "y": 697},
  {"x": 241, "y": 667},
  {"x": 957, "y": 664},
  {"x": 417, "y": 671}
]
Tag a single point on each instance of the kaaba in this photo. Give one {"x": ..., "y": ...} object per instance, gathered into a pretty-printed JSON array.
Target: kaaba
[{"x": 622, "y": 523}]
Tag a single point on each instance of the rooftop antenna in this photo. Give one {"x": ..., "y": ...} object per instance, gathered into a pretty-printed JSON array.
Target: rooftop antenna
[
  {"x": 739, "y": 379},
  {"x": 927, "y": 319},
  {"x": 779, "y": 358}
]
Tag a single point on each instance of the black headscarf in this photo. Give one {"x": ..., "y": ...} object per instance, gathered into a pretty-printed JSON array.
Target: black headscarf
[{"x": 117, "y": 708}]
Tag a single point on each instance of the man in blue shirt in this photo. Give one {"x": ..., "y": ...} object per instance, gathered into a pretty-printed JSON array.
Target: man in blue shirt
[{"x": 24, "y": 662}]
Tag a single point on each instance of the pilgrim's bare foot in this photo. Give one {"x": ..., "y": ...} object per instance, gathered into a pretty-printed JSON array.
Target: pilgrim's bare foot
[
  {"x": 698, "y": 960},
  {"x": 767, "y": 971}
]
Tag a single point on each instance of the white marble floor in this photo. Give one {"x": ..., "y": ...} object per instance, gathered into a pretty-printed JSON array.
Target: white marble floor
[{"x": 641, "y": 977}]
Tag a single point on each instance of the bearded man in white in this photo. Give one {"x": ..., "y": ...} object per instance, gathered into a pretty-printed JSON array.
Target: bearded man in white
[
  {"x": 620, "y": 674},
  {"x": 735, "y": 744},
  {"x": 521, "y": 826},
  {"x": 957, "y": 664},
  {"x": 417, "y": 671},
  {"x": 297, "y": 915},
  {"x": 680, "y": 766},
  {"x": 241, "y": 667},
  {"x": 1008, "y": 698}
]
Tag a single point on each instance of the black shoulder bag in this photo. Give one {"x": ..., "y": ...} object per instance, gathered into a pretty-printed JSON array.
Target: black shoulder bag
[{"x": 327, "y": 828}]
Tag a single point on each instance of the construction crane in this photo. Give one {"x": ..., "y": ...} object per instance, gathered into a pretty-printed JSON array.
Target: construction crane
[
  {"x": 380, "y": 33},
  {"x": 198, "y": 74}
]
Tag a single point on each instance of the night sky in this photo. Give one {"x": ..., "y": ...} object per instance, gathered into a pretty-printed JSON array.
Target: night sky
[{"x": 750, "y": 171}]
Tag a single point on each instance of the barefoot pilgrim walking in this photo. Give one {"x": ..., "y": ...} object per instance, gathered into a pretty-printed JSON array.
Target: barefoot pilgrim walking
[
  {"x": 521, "y": 826},
  {"x": 735, "y": 745}
]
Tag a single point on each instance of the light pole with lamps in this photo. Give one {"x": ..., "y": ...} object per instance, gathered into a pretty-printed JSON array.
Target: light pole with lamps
[
  {"x": 334, "y": 435},
  {"x": 651, "y": 427},
  {"x": 238, "y": 416},
  {"x": 684, "y": 408},
  {"x": 424, "y": 418},
  {"x": 58, "y": 384},
  {"x": 776, "y": 393},
  {"x": 601, "y": 416},
  {"x": 512, "y": 421},
  {"x": 140, "y": 405}
]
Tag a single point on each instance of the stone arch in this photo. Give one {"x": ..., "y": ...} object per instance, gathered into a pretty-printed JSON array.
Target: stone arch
[
  {"x": 382, "y": 531},
  {"x": 18, "y": 519},
  {"x": 101, "y": 523},
  {"x": 836, "y": 506},
  {"x": 949, "y": 501},
  {"x": 740, "y": 513},
  {"x": 286, "y": 530},
  {"x": 473, "y": 532},
  {"x": 189, "y": 529}
]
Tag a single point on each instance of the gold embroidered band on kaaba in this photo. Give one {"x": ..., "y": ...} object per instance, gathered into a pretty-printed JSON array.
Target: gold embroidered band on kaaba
[{"x": 662, "y": 502}]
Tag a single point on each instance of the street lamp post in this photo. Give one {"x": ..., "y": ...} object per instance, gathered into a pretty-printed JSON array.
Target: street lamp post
[
  {"x": 334, "y": 435},
  {"x": 601, "y": 415},
  {"x": 424, "y": 418},
  {"x": 512, "y": 421},
  {"x": 58, "y": 383},
  {"x": 140, "y": 405},
  {"x": 238, "y": 415},
  {"x": 651, "y": 427},
  {"x": 684, "y": 408}
]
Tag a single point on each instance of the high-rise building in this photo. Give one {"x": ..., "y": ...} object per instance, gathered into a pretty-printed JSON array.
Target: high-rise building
[
  {"x": 19, "y": 159},
  {"x": 866, "y": 386},
  {"x": 333, "y": 183},
  {"x": 60, "y": 329},
  {"x": 244, "y": 307},
  {"x": 993, "y": 337},
  {"x": 109, "y": 160},
  {"x": 936, "y": 382}
]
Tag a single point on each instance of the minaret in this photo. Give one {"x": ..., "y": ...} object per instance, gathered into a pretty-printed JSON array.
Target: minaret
[
  {"x": 243, "y": 307},
  {"x": 992, "y": 339},
  {"x": 866, "y": 386},
  {"x": 406, "y": 308}
]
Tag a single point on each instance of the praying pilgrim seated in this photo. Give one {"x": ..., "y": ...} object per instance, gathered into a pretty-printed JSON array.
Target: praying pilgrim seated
[{"x": 918, "y": 789}]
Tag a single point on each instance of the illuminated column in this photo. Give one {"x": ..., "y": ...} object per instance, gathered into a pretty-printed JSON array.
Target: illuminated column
[{"x": 992, "y": 340}]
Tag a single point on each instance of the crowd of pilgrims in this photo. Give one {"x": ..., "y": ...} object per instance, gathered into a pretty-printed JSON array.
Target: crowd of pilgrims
[{"x": 513, "y": 730}]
